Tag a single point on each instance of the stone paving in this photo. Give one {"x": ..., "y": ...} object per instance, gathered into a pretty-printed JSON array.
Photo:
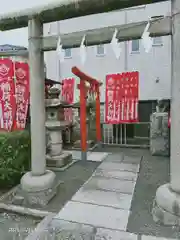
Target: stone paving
[
  {"x": 91, "y": 156},
  {"x": 101, "y": 207},
  {"x": 107, "y": 194}
]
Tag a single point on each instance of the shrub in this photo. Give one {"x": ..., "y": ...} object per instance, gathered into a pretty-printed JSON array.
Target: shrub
[{"x": 15, "y": 155}]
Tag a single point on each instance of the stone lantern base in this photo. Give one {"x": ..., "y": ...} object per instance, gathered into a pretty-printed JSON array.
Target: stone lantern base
[
  {"x": 57, "y": 157},
  {"x": 59, "y": 161}
]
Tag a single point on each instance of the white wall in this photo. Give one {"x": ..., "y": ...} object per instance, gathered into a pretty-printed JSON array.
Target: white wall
[{"x": 152, "y": 65}]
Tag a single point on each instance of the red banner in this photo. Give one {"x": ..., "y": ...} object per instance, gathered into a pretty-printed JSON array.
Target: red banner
[
  {"x": 122, "y": 98},
  {"x": 22, "y": 94},
  {"x": 68, "y": 96},
  {"x": 7, "y": 91}
]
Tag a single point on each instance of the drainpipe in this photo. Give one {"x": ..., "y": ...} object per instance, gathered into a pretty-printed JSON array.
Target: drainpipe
[
  {"x": 124, "y": 126},
  {"x": 125, "y": 46},
  {"x": 59, "y": 63}
]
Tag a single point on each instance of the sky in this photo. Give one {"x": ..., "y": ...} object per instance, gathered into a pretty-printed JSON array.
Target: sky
[{"x": 17, "y": 36}]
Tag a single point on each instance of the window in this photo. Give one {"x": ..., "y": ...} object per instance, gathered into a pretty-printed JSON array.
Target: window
[
  {"x": 100, "y": 50},
  {"x": 67, "y": 53},
  {"x": 135, "y": 45},
  {"x": 157, "y": 41}
]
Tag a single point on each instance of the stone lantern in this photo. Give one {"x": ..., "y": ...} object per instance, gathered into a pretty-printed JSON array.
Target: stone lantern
[{"x": 55, "y": 124}]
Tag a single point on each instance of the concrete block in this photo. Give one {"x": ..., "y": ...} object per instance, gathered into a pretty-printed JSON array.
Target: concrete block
[
  {"x": 120, "y": 166},
  {"x": 117, "y": 157},
  {"x": 132, "y": 159},
  {"x": 144, "y": 237},
  {"x": 124, "y": 175},
  {"x": 116, "y": 185},
  {"x": 85, "y": 213},
  {"x": 97, "y": 156},
  {"x": 114, "y": 235},
  {"x": 111, "y": 199}
]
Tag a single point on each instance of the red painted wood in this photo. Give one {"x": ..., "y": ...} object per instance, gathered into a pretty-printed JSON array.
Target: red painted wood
[
  {"x": 98, "y": 117},
  {"x": 84, "y": 76},
  {"x": 94, "y": 87},
  {"x": 83, "y": 116}
]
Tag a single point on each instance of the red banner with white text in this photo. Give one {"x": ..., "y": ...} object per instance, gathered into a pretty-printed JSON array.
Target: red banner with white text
[
  {"x": 122, "y": 97},
  {"x": 68, "y": 96},
  {"x": 22, "y": 94},
  {"x": 7, "y": 94}
]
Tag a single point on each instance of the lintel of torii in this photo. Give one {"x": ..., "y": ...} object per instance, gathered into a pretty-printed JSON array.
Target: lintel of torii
[
  {"x": 56, "y": 10},
  {"x": 160, "y": 26}
]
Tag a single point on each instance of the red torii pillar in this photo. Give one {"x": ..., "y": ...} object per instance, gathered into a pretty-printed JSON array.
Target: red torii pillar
[{"x": 94, "y": 87}]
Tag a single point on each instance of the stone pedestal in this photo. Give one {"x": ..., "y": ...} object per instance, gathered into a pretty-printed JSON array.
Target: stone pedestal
[
  {"x": 41, "y": 190},
  {"x": 56, "y": 157},
  {"x": 159, "y": 134},
  {"x": 166, "y": 207}
]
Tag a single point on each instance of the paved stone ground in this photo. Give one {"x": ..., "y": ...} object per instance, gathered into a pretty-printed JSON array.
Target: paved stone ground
[
  {"x": 102, "y": 204},
  {"x": 106, "y": 193},
  {"x": 91, "y": 156},
  {"x": 154, "y": 171},
  {"x": 110, "y": 205}
]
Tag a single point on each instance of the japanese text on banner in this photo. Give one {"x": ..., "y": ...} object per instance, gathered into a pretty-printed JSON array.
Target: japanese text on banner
[
  {"x": 122, "y": 98},
  {"x": 7, "y": 94},
  {"x": 68, "y": 96},
  {"x": 22, "y": 94}
]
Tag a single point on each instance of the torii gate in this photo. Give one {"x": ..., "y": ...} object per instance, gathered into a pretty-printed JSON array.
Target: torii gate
[
  {"x": 94, "y": 88},
  {"x": 39, "y": 179}
]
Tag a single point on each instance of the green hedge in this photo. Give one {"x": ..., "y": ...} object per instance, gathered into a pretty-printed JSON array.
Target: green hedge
[{"x": 15, "y": 155}]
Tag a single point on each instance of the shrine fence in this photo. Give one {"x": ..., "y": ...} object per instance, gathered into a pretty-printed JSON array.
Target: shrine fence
[
  {"x": 124, "y": 135},
  {"x": 127, "y": 135}
]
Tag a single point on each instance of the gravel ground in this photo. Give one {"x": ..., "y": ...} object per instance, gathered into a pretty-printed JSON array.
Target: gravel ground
[{"x": 154, "y": 172}]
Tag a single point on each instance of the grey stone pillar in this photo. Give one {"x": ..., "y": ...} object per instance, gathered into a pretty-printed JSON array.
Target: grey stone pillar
[
  {"x": 159, "y": 136},
  {"x": 38, "y": 184},
  {"x": 167, "y": 201},
  {"x": 37, "y": 98}
]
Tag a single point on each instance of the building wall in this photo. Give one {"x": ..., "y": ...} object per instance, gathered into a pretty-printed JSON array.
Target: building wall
[{"x": 154, "y": 67}]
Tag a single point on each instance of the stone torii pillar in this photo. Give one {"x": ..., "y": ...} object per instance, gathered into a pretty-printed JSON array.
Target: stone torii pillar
[
  {"x": 166, "y": 208},
  {"x": 38, "y": 184}
]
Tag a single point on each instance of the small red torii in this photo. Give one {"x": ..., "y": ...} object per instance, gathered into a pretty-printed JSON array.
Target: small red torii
[{"x": 94, "y": 88}]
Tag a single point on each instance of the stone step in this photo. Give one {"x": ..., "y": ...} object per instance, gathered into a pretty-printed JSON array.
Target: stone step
[
  {"x": 116, "y": 185},
  {"x": 129, "y": 167},
  {"x": 103, "y": 198},
  {"x": 94, "y": 215},
  {"x": 123, "y": 175}
]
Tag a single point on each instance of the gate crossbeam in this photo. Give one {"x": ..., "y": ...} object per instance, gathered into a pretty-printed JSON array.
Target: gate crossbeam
[{"x": 64, "y": 9}]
